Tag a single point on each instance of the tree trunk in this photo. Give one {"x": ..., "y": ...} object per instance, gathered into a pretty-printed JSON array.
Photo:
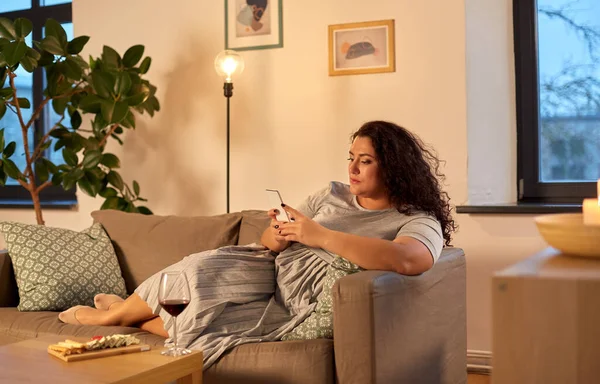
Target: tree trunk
[{"x": 37, "y": 206}]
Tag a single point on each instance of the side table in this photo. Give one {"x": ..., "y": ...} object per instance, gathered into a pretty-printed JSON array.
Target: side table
[{"x": 546, "y": 320}]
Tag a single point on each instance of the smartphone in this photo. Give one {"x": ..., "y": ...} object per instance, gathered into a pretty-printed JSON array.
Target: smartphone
[{"x": 275, "y": 201}]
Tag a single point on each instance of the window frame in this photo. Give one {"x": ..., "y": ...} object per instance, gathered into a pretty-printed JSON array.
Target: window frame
[
  {"x": 38, "y": 15},
  {"x": 530, "y": 188}
]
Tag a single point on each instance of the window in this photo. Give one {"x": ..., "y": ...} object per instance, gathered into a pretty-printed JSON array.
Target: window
[
  {"x": 557, "y": 62},
  {"x": 31, "y": 86}
]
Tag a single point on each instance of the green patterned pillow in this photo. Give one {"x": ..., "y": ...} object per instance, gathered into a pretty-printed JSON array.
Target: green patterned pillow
[
  {"x": 58, "y": 268},
  {"x": 319, "y": 325}
]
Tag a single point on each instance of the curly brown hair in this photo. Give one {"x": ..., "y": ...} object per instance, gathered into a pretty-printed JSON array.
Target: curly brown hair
[{"x": 410, "y": 172}]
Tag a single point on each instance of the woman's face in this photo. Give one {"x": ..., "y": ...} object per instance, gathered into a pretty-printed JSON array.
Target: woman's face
[{"x": 363, "y": 170}]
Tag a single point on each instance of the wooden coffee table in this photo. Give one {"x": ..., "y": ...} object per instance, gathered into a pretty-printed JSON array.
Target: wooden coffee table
[{"x": 29, "y": 361}]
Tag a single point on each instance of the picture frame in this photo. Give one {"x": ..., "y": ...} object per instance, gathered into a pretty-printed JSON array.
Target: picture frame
[
  {"x": 364, "y": 47},
  {"x": 253, "y": 24}
]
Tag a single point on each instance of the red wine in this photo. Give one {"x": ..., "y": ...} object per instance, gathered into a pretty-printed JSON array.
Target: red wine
[{"x": 174, "y": 307}]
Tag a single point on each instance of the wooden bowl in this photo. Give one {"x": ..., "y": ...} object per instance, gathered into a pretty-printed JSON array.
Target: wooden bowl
[{"x": 567, "y": 233}]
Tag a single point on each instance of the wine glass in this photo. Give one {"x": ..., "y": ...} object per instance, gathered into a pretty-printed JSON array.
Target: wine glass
[{"x": 174, "y": 297}]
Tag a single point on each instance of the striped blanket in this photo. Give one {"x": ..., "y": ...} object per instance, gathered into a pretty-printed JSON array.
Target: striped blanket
[{"x": 242, "y": 294}]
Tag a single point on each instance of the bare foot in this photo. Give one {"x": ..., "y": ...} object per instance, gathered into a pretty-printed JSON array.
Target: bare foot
[
  {"x": 104, "y": 301},
  {"x": 69, "y": 316}
]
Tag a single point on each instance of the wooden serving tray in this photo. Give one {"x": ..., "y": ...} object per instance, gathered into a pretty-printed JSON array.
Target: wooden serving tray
[{"x": 100, "y": 353}]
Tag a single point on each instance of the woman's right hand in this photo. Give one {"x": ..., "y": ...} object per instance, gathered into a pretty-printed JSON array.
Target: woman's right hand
[
  {"x": 271, "y": 237},
  {"x": 275, "y": 225}
]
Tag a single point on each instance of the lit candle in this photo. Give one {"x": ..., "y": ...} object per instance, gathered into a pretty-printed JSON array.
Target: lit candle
[{"x": 591, "y": 209}]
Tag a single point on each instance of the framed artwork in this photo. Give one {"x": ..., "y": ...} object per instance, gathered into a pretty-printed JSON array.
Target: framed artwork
[
  {"x": 357, "y": 48},
  {"x": 253, "y": 24}
]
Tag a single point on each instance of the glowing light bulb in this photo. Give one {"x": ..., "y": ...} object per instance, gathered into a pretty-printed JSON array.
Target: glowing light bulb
[{"x": 229, "y": 63}]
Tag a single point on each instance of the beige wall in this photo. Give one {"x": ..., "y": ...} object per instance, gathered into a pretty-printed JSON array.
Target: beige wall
[{"x": 291, "y": 121}]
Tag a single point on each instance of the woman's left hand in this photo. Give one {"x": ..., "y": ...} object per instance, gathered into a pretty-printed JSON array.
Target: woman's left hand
[{"x": 302, "y": 229}]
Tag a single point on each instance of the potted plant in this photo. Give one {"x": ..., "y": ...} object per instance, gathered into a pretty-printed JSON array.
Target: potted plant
[{"x": 108, "y": 90}]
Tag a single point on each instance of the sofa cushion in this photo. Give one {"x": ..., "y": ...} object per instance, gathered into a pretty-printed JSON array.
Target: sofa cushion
[
  {"x": 253, "y": 225},
  {"x": 58, "y": 268},
  {"x": 289, "y": 362},
  {"x": 17, "y": 326},
  {"x": 145, "y": 244}
]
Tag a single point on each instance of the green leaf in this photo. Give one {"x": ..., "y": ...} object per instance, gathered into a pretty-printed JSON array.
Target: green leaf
[
  {"x": 12, "y": 170},
  {"x": 6, "y": 92},
  {"x": 24, "y": 102},
  {"x": 54, "y": 29},
  {"x": 139, "y": 94},
  {"x": 92, "y": 144},
  {"x": 14, "y": 52},
  {"x": 145, "y": 65},
  {"x": 145, "y": 210},
  {"x": 70, "y": 157},
  {"x": 92, "y": 159},
  {"x": 3, "y": 42},
  {"x": 133, "y": 55},
  {"x": 128, "y": 121},
  {"x": 122, "y": 83},
  {"x": 104, "y": 83},
  {"x": 107, "y": 108},
  {"x": 76, "y": 120},
  {"x": 52, "y": 44},
  {"x": 50, "y": 165},
  {"x": 59, "y": 105},
  {"x": 115, "y": 180},
  {"x": 3, "y": 176},
  {"x": 7, "y": 29},
  {"x": 9, "y": 150},
  {"x": 114, "y": 112},
  {"x": 2, "y": 108},
  {"x": 76, "y": 45},
  {"x": 23, "y": 27},
  {"x": 151, "y": 105},
  {"x": 3, "y": 75},
  {"x": 46, "y": 145},
  {"x": 60, "y": 132},
  {"x": 131, "y": 208},
  {"x": 29, "y": 64},
  {"x": 72, "y": 69},
  {"x": 108, "y": 192},
  {"x": 41, "y": 171},
  {"x": 90, "y": 104},
  {"x": 57, "y": 179},
  {"x": 111, "y": 203},
  {"x": 33, "y": 53},
  {"x": 117, "y": 138},
  {"x": 136, "y": 188},
  {"x": 99, "y": 124},
  {"x": 1, "y": 139},
  {"x": 110, "y": 57},
  {"x": 82, "y": 64},
  {"x": 86, "y": 186},
  {"x": 110, "y": 160},
  {"x": 77, "y": 173},
  {"x": 46, "y": 59},
  {"x": 120, "y": 111}
]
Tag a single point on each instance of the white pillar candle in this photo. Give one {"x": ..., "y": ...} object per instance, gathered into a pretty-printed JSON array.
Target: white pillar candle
[{"x": 591, "y": 209}]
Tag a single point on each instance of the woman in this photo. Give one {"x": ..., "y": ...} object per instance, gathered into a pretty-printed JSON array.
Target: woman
[{"x": 392, "y": 216}]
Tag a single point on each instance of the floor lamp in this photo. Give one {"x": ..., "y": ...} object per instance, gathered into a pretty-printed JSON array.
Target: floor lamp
[{"x": 227, "y": 64}]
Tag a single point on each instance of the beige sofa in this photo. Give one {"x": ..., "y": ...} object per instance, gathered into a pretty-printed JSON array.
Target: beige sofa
[{"x": 389, "y": 328}]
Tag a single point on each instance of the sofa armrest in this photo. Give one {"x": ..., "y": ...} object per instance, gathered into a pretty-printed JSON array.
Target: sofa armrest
[
  {"x": 9, "y": 296},
  {"x": 390, "y": 328}
]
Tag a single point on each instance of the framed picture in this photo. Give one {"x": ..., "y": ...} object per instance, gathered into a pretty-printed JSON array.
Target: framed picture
[
  {"x": 366, "y": 47},
  {"x": 253, "y": 24}
]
